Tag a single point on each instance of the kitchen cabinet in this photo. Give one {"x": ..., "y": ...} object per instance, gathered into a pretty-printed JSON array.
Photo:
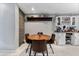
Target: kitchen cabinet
[
  {"x": 77, "y": 22},
  {"x": 75, "y": 39},
  {"x": 65, "y": 20},
  {"x": 60, "y": 38},
  {"x": 71, "y": 23},
  {"x": 21, "y": 27}
]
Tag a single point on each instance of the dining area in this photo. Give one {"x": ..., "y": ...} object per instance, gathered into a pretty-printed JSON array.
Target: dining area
[{"x": 37, "y": 43}]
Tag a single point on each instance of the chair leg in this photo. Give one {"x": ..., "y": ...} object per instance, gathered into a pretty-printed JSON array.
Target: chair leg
[
  {"x": 30, "y": 51},
  {"x": 51, "y": 48},
  {"x": 43, "y": 53},
  {"x": 47, "y": 52},
  {"x": 35, "y": 54},
  {"x": 27, "y": 48}
]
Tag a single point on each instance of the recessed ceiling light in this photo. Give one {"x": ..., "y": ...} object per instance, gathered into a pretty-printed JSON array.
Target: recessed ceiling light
[{"x": 33, "y": 9}]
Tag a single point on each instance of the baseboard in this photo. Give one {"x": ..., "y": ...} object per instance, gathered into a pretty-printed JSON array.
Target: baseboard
[
  {"x": 7, "y": 51},
  {"x": 18, "y": 52}
]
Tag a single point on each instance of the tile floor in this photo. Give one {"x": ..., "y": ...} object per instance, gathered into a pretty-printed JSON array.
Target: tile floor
[{"x": 65, "y": 50}]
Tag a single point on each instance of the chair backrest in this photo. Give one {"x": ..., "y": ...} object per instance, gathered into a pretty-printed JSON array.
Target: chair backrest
[
  {"x": 40, "y": 33},
  {"x": 26, "y": 38},
  {"x": 39, "y": 46},
  {"x": 52, "y": 39},
  {"x": 26, "y": 35},
  {"x": 53, "y": 36}
]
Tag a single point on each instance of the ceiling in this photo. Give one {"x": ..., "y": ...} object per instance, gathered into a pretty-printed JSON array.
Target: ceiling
[{"x": 51, "y": 8}]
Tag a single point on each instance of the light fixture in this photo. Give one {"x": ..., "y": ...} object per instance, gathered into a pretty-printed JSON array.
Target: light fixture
[{"x": 33, "y": 9}]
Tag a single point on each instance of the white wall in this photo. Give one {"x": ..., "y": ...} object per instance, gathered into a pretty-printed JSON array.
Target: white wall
[
  {"x": 42, "y": 26},
  {"x": 7, "y": 26},
  {"x": 16, "y": 25}
]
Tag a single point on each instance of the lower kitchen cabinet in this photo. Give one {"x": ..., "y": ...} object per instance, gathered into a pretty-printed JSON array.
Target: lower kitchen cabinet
[
  {"x": 75, "y": 39},
  {"x": 60, "y": 38}
]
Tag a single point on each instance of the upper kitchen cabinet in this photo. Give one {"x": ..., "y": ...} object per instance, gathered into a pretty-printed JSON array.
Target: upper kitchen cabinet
[
  {"x": 58, "y": 21},
  {"x": 71, "y": 23},
  {"x": 73, "y": 20},
  {"x": 77, "y": 22},
  {"x": 64, "y": 20},
  {"x": 67, "y": 20}
]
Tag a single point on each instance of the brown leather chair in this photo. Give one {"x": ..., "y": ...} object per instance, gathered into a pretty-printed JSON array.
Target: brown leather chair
[
  {"x": 51, "y": 41},
  {"x": 27, "y": 41},
  {"x": 39, "y": 47}
]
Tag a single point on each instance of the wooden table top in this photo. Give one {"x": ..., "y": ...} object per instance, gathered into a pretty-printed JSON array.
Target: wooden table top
[{"x": 38, "y": 37}]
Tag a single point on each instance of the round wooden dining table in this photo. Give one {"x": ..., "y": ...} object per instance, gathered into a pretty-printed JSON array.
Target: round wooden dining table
[
  {"x": 38, "y": 40},
  {"x": 39, "y": 37}
]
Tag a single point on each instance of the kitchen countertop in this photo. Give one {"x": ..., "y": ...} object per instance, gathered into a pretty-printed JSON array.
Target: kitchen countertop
[{"x": 66, "y": 32}]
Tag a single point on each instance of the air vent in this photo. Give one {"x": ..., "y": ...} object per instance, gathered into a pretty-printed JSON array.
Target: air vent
[{"x": 39, "y": 18}]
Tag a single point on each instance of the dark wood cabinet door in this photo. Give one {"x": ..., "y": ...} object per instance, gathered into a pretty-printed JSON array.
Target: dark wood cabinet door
[{"x": 21, "y": 27}]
